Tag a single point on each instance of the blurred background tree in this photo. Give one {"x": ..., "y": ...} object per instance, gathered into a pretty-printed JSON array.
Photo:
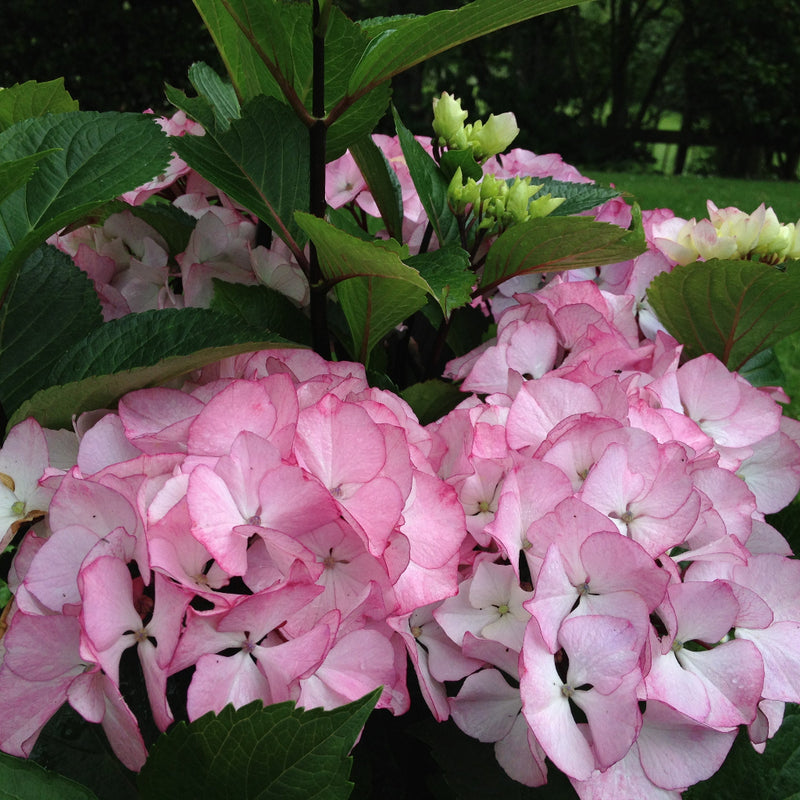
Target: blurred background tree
[{"x": 599, "y": 83}]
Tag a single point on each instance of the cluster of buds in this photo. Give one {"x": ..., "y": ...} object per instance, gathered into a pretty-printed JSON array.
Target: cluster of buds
[
  {"x": 731, "y": 234},
  {"x": 497, "y": 203},
  {"x": 484, "y": 139}
]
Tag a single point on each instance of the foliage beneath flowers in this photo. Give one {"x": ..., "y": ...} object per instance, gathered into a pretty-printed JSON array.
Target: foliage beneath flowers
[
  {"x": 733, "y": 309},
  {"x": 257, "y": 752},
  {"x": 26, "y": 780},
  {"x": 574, "y": 552}
]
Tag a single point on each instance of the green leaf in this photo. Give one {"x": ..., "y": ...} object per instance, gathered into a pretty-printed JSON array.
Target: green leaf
[
  {"x": 246, "y": 68},
  {"x": 267, "y": 48},
  {"x": 453, "y": 160},
  {"x": 353, "y": 121},
  {"x": 787, "y": 351},
  {"x": 99, "y": 156},
  {"x": 579, "y": 196},
  {"x": 733, "y": 309},
  {"x": 51, "y": 305},
  {"x": 135, "y": 351},
  {"x": 763, "y": 369},
  {"x": 413, "y": 40},
  {"x": 255, "y": 753},
  {"x": 261, "y": 162},
  {"x": 174, "y": 224},
  {"x": 773, "y": 775},
  {"x": 80, "y": 750},
  {"x": 448, "y": 273},
  {"x": 32, "y": 99},
  {"x": 430, "y": 183},
  {"x": 15, "y": 174},
  {"x": 552, "y": 244},
  {"x": 431, "y": 400},
  {"x": 383, "y": 184},
  {"x": 376, "y": 290},
  {"x": 219, "y": 95},
  {"x": 260, "y": 307},
  {"x": 21, "y": 779}
]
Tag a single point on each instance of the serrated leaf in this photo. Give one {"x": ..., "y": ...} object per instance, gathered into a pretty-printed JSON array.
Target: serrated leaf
[
  {"x": 551, "y": 244},
  {"x": 413, "y": 40},
  {"x": 382, "y": 182},
  {"x": 430, "y": 184},
  {"x": 261, "y": 162},
  {"x": 733, "y": 309},
  {"x": 447, "y": 271},
  {"x": 33, "y": 99},
  {"x": 138, "y": 350},
  {"x": 21, "y": 779},
  {"x": 255, "y": 753},
  {"x": 579, "y": 196},
  {"x": 376, "y": 290},
  {"x": 51, "y": 305},
  {"x": 99, "y": 156},
  {"x": 260, "y": 308},
  {"x": 15, "y": 174}
]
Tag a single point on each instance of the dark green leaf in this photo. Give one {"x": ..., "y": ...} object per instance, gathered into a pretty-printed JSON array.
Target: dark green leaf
[
  {"x": 253, "y": 43},
  {"x": 383, "y": 184},
  {"x": 267, "y": 48},
  {"x": 746, "y": 775},
  {"x": 79, "y": 750},
  {"x": 135, "y": 351},
  {"x": 551, "y": 244},
  {"x": 32, "y": 99},
  {"x": 21, "y": 779},
  {"x": 99, "y": 157},
  {"x": 15, "y": 174},
  {"x": 787, "y": 351},
  {"x": 453, "y": 160},
  {"x": 733, "y": 309},
  {"x": 449, "y": 275},
  {"x": 262, "y": 308},
  {"x": 430, "y": 184},
  {"x": 261, "y": 162},
  {"x": 763, "y": 369},
  {"x": 376, "y": 290},
  {"x": 51, "y": 305},
  {"x": 255, "y": 753},
  {"x": 174, "y": 224},
  {"x": 431, "y": 400},
  {"x": 579, "y": 196},
  {"x": 470, "y": 771},
  {"x": 344, "y": 45},
  {"x": 407, "y": 41}
]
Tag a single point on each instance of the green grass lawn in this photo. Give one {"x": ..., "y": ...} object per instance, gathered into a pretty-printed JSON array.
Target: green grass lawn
[{"x": 687, "y": 195}]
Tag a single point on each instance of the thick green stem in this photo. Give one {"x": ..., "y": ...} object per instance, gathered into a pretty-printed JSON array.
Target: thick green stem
[{"x": 319, "y": 322}]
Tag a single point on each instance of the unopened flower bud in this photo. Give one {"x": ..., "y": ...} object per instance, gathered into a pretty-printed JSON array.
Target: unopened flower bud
[
  {"x": 448, "y": 118},
  {"x": 494, "y": 136}
]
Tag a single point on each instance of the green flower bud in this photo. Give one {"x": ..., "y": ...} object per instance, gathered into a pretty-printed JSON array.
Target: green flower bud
[
  {"x": 493, "y": 137},
  {"x": 448, "y": 118},
  {"x": 545, "y": 205}
]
